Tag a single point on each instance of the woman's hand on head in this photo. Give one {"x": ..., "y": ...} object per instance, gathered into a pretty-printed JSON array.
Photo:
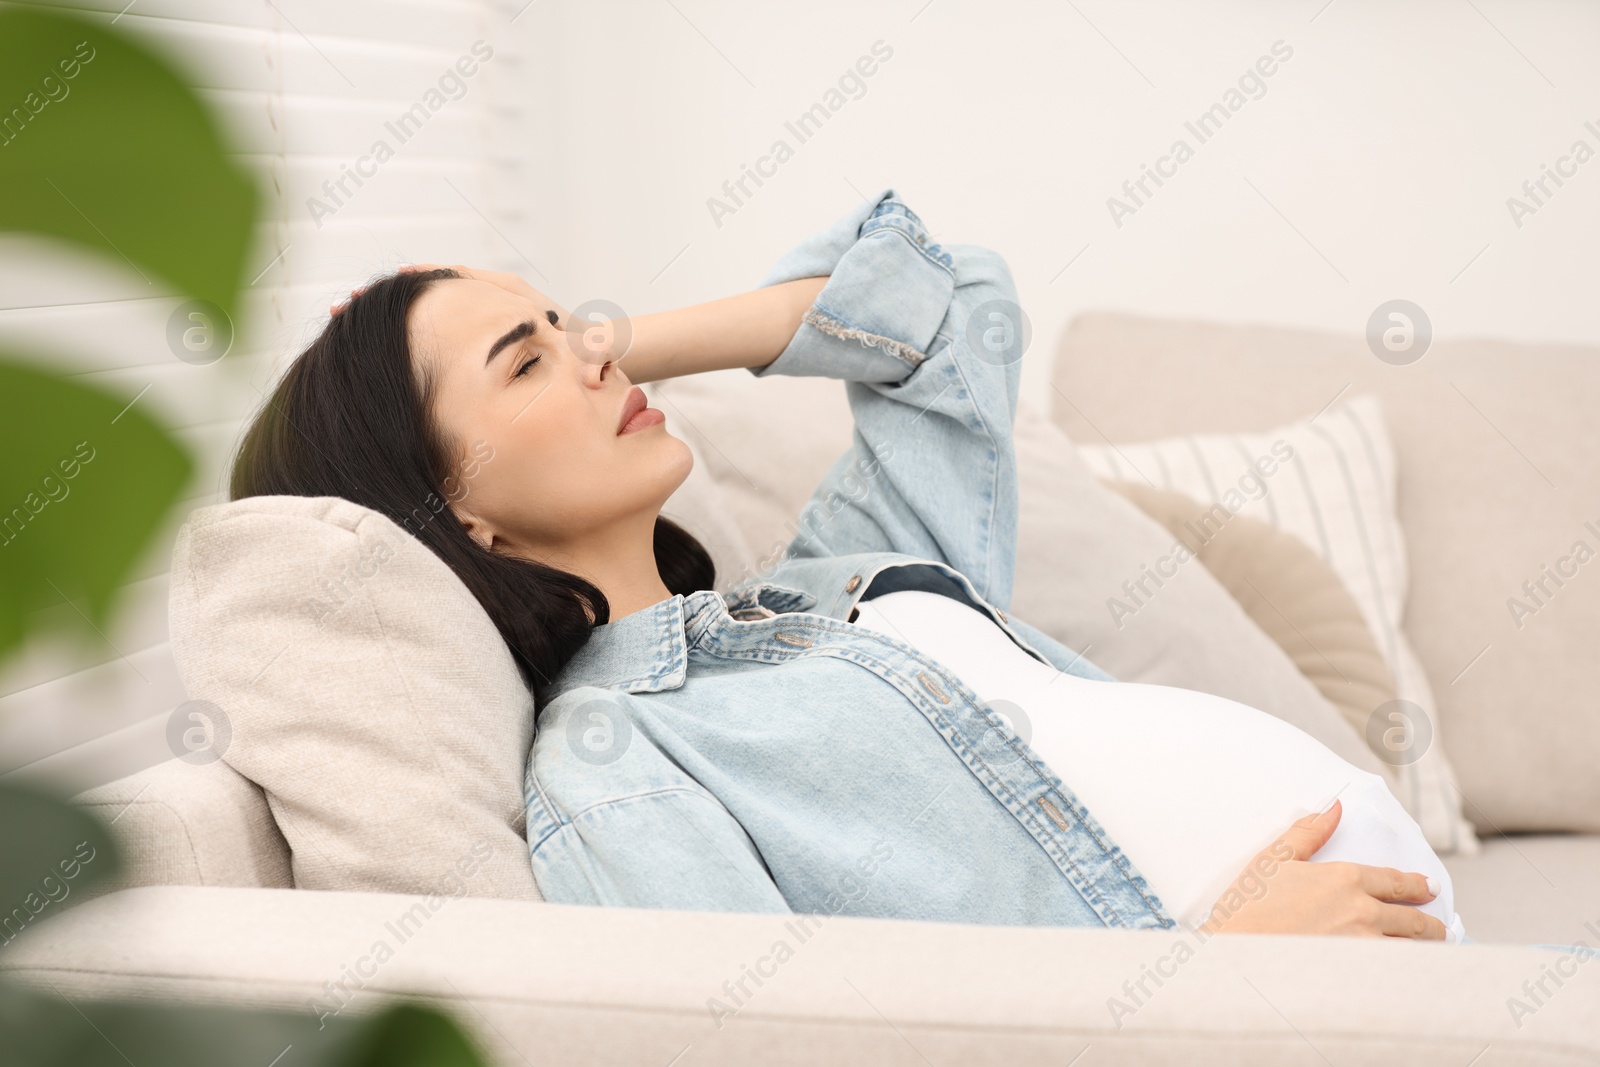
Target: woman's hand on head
[
  {"x": 1281, "y": 892},
  {"x": 745, "y": 330}
]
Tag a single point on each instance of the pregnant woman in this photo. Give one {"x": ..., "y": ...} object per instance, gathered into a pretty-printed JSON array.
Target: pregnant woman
[{"x": 836, "y": 736}]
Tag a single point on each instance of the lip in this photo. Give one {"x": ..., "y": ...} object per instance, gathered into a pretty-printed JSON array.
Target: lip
[{"x": 632, "y": 404}]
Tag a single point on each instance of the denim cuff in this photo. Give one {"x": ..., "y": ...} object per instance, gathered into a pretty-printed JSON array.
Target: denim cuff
[{"x": 887, "y": 294}]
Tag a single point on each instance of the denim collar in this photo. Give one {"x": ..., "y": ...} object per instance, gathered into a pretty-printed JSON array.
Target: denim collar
[{"x": 648, "y": 651}]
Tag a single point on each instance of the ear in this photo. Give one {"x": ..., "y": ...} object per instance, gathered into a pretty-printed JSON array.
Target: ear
[{"x": 476, "y": 528}]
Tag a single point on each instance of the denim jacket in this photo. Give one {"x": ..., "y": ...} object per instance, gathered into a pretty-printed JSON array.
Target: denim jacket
[{"x": 754, "y": 750}]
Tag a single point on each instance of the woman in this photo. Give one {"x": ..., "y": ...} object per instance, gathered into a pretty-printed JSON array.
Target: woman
[{"x": 828, "y": 737}]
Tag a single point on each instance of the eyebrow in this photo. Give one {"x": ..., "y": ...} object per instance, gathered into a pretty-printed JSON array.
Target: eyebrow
[
  {"x": 518, "y": 332},
  {"x": 511, "y": 337}
]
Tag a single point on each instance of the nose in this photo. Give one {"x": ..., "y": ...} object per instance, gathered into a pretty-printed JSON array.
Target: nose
[{"x": 590, "y": 342}]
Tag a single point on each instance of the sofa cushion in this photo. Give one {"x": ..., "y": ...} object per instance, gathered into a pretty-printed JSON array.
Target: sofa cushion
[
  {"x": 700, "y": 506},
  {"x": 1530, "y": 889},
  {"x": 1499, "y": 471},
  {"x": 1329, "y": 481},
  {"x": 1288, "y": 591},
  {"x": 362, "y": 687},
  {"x": 768, "y": 441}
]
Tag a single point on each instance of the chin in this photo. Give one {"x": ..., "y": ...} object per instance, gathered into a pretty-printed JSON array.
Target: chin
[{"x": 676, "y": 463}]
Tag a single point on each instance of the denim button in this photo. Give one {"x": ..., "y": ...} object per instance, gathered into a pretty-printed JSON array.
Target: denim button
[
  {"x": 933, "y": 687},
  {"x": 1002, "y": 613},
  {"x": 850, "y": 586}
]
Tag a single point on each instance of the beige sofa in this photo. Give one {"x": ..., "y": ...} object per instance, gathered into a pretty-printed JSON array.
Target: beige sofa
[{"x": 1499, "y": 454}]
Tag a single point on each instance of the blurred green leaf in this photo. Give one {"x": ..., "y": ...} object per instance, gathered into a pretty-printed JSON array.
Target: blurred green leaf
[
  {"x": 86, "y": 481},
  {"x": 118, "y": 156},
  {"x": 45, "y": 1029},
  {"x": 53, "y": 853},
  {"x": 411, "y": 1036}
]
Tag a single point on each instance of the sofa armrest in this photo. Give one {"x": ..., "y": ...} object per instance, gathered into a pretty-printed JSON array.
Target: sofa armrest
[
  {"x": 546, "y": 983},
  {"x": 179, "y": 823}
]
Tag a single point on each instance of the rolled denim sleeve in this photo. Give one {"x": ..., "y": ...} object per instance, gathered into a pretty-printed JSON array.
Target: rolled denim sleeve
[{"x": 931, "y": 469}]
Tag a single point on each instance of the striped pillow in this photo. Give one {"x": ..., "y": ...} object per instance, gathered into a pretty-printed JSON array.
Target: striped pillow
[{"x": 1329, "y": 480}]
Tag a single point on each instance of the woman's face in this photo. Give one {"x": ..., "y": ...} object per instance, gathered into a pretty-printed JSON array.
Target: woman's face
[{"x": 541, "y": 467}]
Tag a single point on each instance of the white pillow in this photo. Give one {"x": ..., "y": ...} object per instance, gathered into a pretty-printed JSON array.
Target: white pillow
[
  {"x": 1329, "y": 480},
  {"x": 351, "y": 675},
  {"x": 700, "y": 506}
]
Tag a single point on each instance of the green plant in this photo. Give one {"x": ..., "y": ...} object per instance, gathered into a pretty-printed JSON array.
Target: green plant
[{"x": 103, "y": 146}]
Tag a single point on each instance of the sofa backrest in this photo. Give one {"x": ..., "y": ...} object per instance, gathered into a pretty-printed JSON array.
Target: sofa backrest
[{"x": 1499, "y": 485}]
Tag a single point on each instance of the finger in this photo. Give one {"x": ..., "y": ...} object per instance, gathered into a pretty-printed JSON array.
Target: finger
[
  {"x": 1399, "y": 887},
  {"x": 1401, "y": 920},
  {"x": 334, "y": 309},
  {"x": 1312, "y": 832},
  {"x": 504, "y": 279}
]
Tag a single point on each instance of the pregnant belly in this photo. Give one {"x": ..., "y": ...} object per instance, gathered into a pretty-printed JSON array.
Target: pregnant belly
[{"x": 1191, "y": 786}]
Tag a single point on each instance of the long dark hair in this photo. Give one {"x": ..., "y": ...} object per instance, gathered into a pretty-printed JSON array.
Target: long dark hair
[{"x": 352, "y": 418}]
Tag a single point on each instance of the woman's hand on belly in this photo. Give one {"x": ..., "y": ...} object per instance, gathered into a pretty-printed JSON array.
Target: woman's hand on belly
[{"x": 1281, "y": 893}]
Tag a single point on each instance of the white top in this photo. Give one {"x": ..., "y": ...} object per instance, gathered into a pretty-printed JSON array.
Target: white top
[{"x": 1190, "y": 785}]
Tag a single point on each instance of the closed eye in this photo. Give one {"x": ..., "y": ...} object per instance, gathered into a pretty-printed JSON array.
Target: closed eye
[{"x": 526, "y": 365}]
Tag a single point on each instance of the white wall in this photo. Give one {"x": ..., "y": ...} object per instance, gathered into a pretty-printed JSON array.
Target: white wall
[{"x": 1390, "y": 140}]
